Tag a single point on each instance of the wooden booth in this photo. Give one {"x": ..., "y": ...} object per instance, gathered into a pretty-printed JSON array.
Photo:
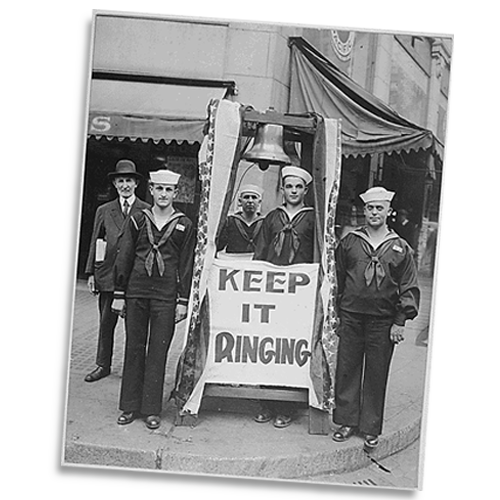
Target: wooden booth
[{"x": 256, "y": 330}]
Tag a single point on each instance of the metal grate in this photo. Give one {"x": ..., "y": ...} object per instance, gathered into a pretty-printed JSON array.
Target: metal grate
[{"x": 366, "y": 482}]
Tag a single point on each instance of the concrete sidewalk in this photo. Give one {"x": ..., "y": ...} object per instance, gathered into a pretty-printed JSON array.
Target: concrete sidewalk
[{"x": 225, "y": 440}]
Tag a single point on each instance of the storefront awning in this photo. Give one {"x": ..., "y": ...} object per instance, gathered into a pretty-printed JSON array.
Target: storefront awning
[
  {"x": 368, "y": 125},
  {"x": 139, "y": 110}
]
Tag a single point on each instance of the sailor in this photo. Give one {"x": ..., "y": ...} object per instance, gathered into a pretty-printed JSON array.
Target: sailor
[
  {"x": 152, "y": 279},
  {"x": 377, "y": 293},
  {"x": 240, "y": 230},
  {"x": 287, "y": 237}
]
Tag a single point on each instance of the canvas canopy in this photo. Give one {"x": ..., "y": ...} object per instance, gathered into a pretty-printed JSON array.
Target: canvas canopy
[
  {"x": 137, "y": 110},
  {"x": 368, "y": 125}
]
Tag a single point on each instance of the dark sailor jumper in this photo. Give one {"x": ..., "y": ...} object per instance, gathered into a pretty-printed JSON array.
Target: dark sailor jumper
[
  {"x": 381, "y": 282},
  {"x": 377, "y": 289},
  {"x": 153, "y": 271},
  {"x": 284, "y": 241},
  {"x": 239, "y": 236},
  {"x": 155, "y": 263}
]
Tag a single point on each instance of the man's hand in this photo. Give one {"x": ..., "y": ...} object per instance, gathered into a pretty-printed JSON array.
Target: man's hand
[
  {"x": 91, "y": 285},
  {"x": 180, "y": 312},
  {"x": 397, "y": 334},
  {"x": 118, "y": 307}
]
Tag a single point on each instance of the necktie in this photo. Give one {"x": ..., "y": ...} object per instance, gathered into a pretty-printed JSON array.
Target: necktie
[{"x": 125, "y": 208}]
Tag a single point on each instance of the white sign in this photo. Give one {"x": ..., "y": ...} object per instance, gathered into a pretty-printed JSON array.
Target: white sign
[{"x": 261, "y": 318}]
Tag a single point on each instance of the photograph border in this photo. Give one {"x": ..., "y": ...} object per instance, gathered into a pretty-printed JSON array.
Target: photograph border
[{"x": 442, "y": 224}]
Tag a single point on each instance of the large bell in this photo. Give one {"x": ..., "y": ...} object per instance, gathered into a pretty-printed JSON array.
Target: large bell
[{"x": 268, "y": 147}]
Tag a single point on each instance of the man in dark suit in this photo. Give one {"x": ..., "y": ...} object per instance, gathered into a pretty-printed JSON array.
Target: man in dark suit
[{"x": 108, "y": 225}]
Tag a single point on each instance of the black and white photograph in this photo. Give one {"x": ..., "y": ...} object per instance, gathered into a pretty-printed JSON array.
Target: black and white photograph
[{"x": 256, "y": 249}]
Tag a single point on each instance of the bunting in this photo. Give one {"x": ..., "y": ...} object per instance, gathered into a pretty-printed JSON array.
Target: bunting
[
  {"x": 216, "y": 168},
  {"x": 218, "y": 161}
]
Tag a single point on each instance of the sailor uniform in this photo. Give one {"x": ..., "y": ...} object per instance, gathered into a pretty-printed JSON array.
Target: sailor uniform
[
  {"x": 284, "y": 241},
  {"x": 153, "y": 271},
  {"x": 377, "y": 288},
  {"x": 238, "y": 235}
]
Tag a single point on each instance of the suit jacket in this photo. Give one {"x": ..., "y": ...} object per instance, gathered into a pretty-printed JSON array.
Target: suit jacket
[{"x": 108, "y": 225}]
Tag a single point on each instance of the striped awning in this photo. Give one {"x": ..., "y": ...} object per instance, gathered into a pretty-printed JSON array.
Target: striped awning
[{"x": 143, "y": 110}]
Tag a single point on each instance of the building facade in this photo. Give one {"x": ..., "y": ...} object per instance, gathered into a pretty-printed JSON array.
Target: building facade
[{"x": 152, "y": 77}]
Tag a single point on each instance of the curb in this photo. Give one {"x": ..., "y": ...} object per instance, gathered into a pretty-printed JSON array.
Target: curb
[{"x": 347, "y": 457}]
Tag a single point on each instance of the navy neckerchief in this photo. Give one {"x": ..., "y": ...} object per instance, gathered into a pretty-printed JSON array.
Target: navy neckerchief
[
  {"x": 239, "y": 216},
  {"x": 289, "y": 226},
  {"x": 255, "y": 225},
  {"x": 155, "y": 253},
  {"x": 374, "y": 269}
]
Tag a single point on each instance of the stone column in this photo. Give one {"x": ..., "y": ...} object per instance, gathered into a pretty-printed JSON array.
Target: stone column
[
  {"x": 383, "y": 64},
  {"x": 437, "y": 65},
  {"x": 434, "y": 96}
]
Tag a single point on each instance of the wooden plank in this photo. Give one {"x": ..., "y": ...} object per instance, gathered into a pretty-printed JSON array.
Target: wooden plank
[
  {"x": 259, "y": 393},
  {"x": 305, "y": 123},
  {"x": 289, "y": 134},
  {"x": 319, "y": 421},
  {"x": 185, "y": 420}
]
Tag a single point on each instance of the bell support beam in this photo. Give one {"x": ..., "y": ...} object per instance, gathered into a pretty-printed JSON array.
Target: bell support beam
[
  {"x": 295, "y": 135},
  {"x": 302, "y": 123}
]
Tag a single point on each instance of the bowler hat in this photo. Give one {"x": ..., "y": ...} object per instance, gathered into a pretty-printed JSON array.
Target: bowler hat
[{"x": 125, "y": 168}]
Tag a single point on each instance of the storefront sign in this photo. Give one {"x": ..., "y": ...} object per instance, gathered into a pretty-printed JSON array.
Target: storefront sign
[
  {"x": 145, "y": 127},
  {"x": 261, "y": 318},
  {"x": 99, "y": 124}
]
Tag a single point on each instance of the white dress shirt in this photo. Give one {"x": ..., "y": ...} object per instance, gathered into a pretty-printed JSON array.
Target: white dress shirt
[{"x": 130, "y": 201}]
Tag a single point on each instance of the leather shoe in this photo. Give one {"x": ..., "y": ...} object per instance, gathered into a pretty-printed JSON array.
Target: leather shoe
[
  {"x": 371, "y": 442},
  {"x": 343, "y": 433},
  {"x": 282, "y": 421},
  {"x": 99, "y": 373},
  {"x": 127, "y": 417},
  {"x": 263, "y": 416},
  {"x": 153, "y": 422}
]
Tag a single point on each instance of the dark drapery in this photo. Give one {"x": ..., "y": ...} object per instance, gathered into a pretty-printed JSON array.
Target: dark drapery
[{"x": 368, "y": 125}]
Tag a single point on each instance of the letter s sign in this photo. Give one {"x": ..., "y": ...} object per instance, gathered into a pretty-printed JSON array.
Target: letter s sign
[{"x": 100, "y": 124}]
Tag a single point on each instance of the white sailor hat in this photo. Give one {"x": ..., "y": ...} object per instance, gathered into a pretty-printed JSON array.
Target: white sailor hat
[
  {"x": 251, "y": 188},
  {"x": 377, "y": 193},
  {"x": 296, "y": 172},
  {"x": 164, "y": 177}
]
